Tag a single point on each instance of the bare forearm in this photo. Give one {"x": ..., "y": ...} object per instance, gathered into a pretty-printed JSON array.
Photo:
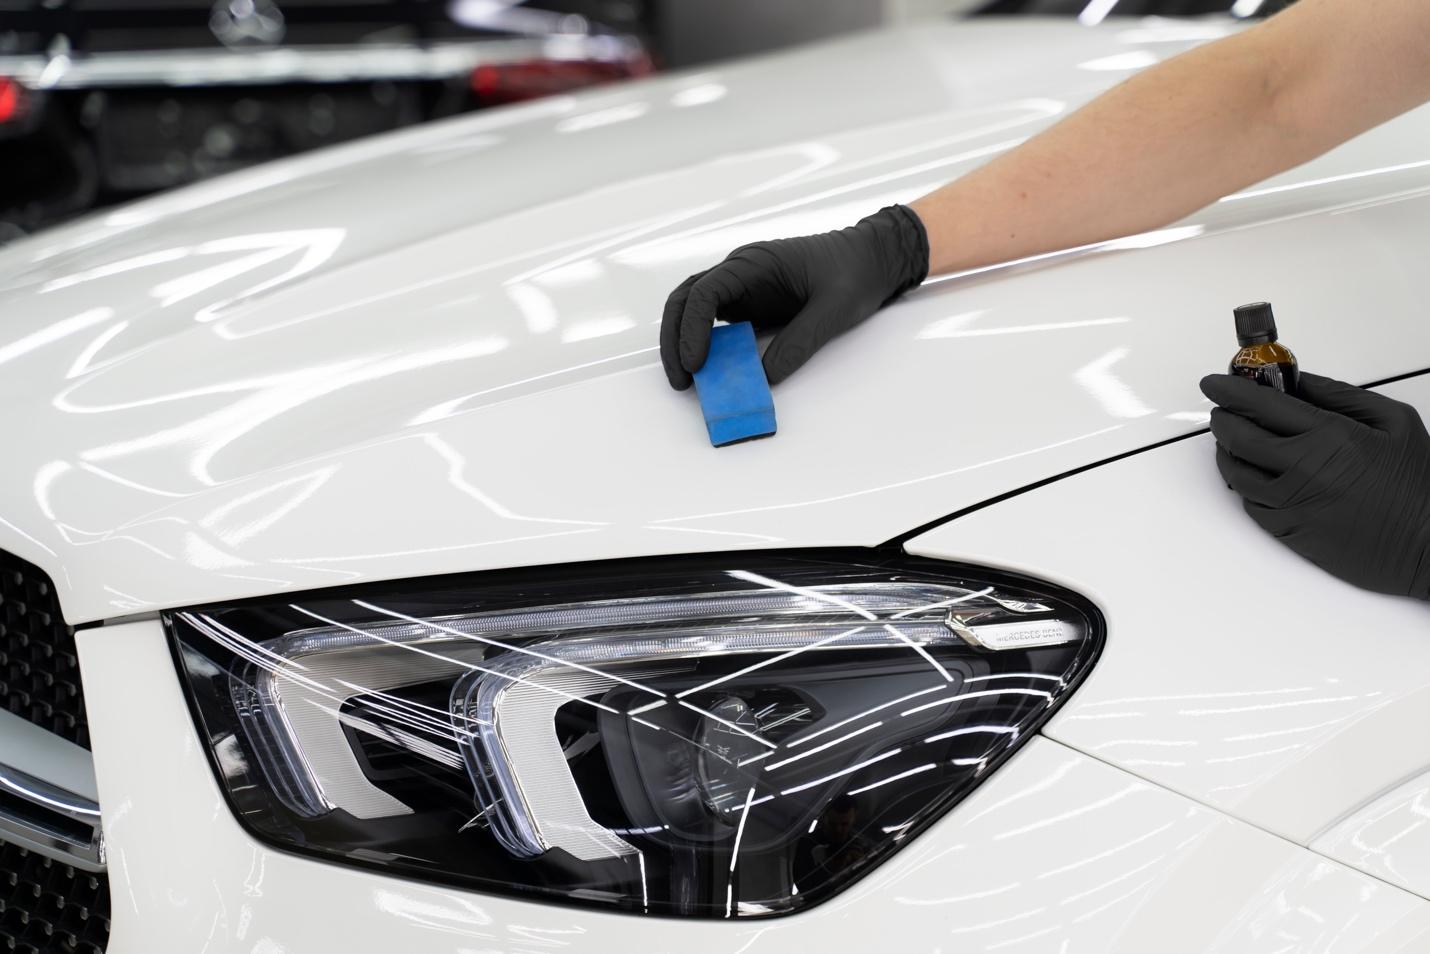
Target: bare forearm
[
  {"x": 1154, "y": 149},
  {"x": 1150, "y": 151},
  {"x": 1164, "y": 144}
]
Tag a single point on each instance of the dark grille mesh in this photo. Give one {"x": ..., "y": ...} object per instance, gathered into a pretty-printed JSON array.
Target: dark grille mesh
[
  {"x": 39, "y": 671},
  {"x": 50, "y": 908},
  {"x": 46, "y": 907}
]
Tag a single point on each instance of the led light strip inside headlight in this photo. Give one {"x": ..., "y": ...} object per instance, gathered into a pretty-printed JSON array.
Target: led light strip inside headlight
[{"x": 678, "y": 736}]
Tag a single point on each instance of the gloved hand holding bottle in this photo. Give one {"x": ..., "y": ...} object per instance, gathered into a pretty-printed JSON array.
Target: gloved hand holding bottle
[{"x": 1341, "y": 475}]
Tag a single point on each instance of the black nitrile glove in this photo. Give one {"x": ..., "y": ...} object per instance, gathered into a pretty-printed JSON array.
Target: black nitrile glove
[
  {"x": 818, "y": 285},
  {"x": 1340, "y": 475}
]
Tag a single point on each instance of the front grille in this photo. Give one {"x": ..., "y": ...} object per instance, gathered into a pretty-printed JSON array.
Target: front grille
[
  {"x": 47, "y": 907},
  {"x": 39, "y": 670}
]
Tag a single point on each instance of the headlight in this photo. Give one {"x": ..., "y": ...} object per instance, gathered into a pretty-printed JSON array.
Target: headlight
[{"x": 718, "y": 737}]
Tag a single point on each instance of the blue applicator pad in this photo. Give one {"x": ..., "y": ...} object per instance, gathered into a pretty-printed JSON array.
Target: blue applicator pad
[{"x": 734, "y": 395}]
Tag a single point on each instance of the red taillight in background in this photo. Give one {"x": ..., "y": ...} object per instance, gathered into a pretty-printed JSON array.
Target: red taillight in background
[
  {"x": 531, "y": 79},
  {"x": 12, "y": 100}
]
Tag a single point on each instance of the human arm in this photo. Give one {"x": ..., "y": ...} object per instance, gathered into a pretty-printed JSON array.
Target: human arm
[
  {"x": 1148, "y": 152},
  {"x": 1188, "y": 131}
]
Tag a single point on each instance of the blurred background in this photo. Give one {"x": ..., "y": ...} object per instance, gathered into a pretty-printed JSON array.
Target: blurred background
[{"x": 107, "y": 100}]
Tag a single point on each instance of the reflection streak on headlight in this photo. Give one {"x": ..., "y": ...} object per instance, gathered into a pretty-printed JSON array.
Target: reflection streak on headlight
[{"x": 542, "y": 802}]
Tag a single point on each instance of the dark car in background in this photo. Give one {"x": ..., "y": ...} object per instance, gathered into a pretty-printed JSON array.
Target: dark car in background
[{"x": 104, "y": 100}]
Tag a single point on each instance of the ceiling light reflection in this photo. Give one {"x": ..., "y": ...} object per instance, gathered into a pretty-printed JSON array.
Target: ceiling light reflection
[
  {"x": 735, "y": 853},
  {"x": 83, "y": 362},
  {"x": 1325, "y": 180},
  {"x": 1170, "y": 30},
  {"x": 901, "y": 483},
  {"x": 44, "y": 480},
  {"x": 825, "y": 215},
  {"x": 596, "y": 328},
  {"x": 919, "y": 770},
  {"x": 1035, "y": 110},
  {"x": 1095, "y": 12},
  {"x": 822, "y": 747},
  {"x": 1140, "y": 240},
  {"x": 53, "y": 332},
  {"x": 924, "y": 653},
  {"x": 953, "y": 327},
  {"x": 603, "y": 117},
  {"x": 843, "y": 772},
  {"x": 1115, "y": 395},
  {"x": 110, "y": 269},
  {"x": 455, "y": 406},
  {"x": 698, "y": 95},
  {"x": 1131, "y": 60},
  {"x": 537, "y": 308},
  {"x": 277, "y": 505}
]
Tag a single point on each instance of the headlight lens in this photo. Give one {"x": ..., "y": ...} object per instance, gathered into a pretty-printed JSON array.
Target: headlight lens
[{"x": 725, "y": 738}]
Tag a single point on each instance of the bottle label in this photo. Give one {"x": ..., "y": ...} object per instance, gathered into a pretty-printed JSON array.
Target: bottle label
[{"x": 1282, "y": 377}]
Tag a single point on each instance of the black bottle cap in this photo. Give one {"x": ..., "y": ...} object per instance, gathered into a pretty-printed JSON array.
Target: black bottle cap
[{"x": 1255, "y": 324}]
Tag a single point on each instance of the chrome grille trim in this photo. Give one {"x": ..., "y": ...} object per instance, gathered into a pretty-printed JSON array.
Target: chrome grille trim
[{"x": 49, "y": 820}]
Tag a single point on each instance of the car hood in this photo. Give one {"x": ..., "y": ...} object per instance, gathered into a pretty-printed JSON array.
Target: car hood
[{"x": 434, "y": 352}]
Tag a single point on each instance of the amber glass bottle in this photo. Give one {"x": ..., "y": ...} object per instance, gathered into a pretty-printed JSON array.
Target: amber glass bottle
[{"x": 1262, "y": 358}]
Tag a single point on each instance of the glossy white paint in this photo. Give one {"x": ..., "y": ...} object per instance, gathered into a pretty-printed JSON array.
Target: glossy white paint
[
  {"x": 434, "y": 352},
  {"x": 1235, "y": 672},
  {"x": 1057, "y": 852},
  {"x": 1388, "y": 838}
]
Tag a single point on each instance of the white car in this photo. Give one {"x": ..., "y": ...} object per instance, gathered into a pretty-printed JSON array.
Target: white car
[{"x": 416, "y": 613}]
